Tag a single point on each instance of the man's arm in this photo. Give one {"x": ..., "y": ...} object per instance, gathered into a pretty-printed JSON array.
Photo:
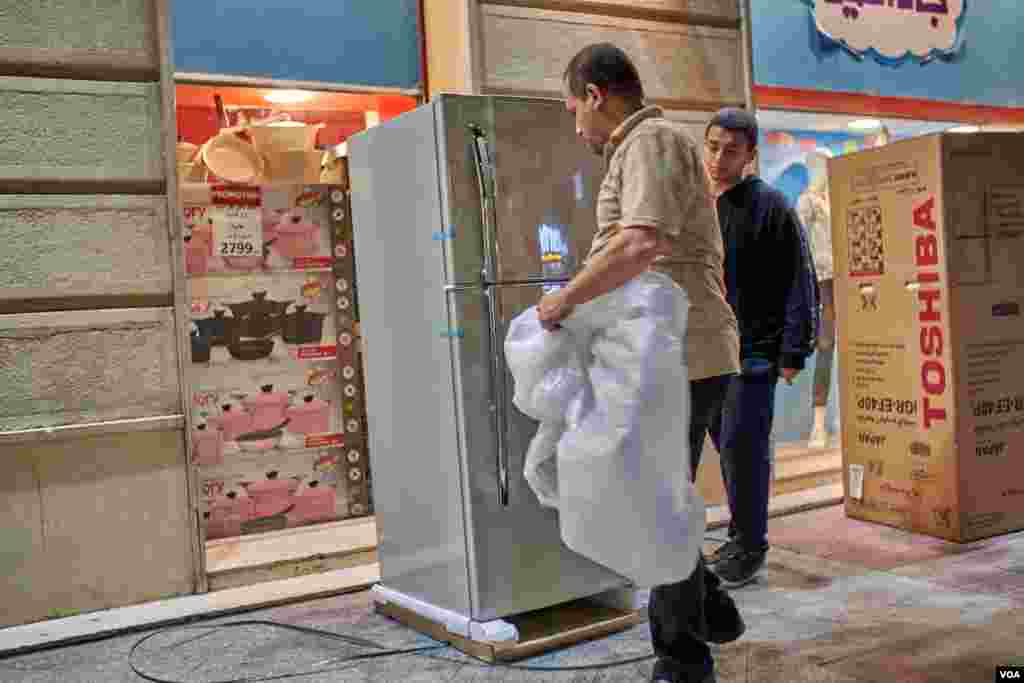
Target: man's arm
[
  {"x": 800, "y": 332},
  {"x": 628, "y": 253},
  {"x": 651, "y": 201}
]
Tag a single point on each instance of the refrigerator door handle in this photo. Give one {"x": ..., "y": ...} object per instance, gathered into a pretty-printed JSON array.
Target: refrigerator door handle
[
  {"x": 497, "y": 407},
  {"x": 486, "y": 185}
]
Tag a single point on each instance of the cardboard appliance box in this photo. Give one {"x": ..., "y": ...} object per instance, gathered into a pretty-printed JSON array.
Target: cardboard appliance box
[{"x": 928, "y": 236}]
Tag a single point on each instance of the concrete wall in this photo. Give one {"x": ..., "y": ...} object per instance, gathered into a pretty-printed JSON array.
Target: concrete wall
[
  {"x": 62, "y": 129},
  {"x": 689, "y": 52},
  {"x": 92, "y": 431},
  {"x": 84, "y": 245}
]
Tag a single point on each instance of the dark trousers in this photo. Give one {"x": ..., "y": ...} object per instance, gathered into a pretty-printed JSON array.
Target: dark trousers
[
  {"x": 741, "y": 432},
  {"x": 679, "y": 623}
]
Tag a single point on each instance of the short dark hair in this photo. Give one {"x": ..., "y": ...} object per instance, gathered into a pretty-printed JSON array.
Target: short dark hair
[
  {"x": 736, "y": 120},
  {"x": 607, "y": 67}
]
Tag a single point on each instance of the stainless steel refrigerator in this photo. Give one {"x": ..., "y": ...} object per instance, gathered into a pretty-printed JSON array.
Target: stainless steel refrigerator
[{"x": 466, "y": 210}]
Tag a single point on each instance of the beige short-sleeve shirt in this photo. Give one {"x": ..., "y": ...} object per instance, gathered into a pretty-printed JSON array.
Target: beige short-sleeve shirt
[{"x": 654, "y": 178}]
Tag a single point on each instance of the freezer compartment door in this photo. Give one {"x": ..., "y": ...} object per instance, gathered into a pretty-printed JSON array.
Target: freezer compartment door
[
  {"x": 516, "y": 556},
  {"x": 520, "y": 189}
]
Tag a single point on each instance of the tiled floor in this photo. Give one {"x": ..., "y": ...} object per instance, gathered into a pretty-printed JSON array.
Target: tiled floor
[{"x": 840, "y": 601}]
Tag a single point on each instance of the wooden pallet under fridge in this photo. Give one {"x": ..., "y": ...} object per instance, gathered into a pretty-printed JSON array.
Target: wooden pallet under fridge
[{"x": 538, "y": 632}]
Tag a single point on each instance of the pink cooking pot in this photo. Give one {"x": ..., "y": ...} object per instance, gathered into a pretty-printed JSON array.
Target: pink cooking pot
[
  {"x": 227, "y": 514},
  {"x": 233, "y": 422},
  {"x": 271, "y": 219},
  {"x": 297, "y": 238},
  {"x": 207, "y": 446},
  {"x": 203, "y": 233},
  {"x": 315, "y": 504},
  {"x": 197, "y": 256},
  {"x": 311, "y": 416},
  {"x": 267, "y": 408},
  {"x": 272, "y": 496}
]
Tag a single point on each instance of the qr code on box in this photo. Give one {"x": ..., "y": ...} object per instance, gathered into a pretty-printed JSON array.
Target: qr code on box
[{"x": 867, "y": 245}]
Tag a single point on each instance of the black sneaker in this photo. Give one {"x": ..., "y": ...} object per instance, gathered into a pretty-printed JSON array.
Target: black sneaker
[
  {"x": 740, "y": 568},
  {"x": 668, "y": 671},
  {"x": 727, "y": 549},
  {"x": 724, "y": 622}
]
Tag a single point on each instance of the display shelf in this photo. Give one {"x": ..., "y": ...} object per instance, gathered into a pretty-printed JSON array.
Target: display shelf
[
  {"x": 269, "y": 415},
  {"x": 244, "y": 273},
  {"x": 290, "y": 553},
  {"x": 256, "y": 493}
]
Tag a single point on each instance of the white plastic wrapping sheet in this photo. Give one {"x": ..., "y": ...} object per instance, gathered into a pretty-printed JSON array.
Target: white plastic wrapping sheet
[{"x": 610, "y": 391}]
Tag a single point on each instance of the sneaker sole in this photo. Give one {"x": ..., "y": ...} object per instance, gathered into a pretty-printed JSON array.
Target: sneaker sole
[{"x": 732, "y": 585}]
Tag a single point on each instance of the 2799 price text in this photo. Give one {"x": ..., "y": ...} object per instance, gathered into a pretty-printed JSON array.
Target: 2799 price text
[{"x": 237, "y": 248}]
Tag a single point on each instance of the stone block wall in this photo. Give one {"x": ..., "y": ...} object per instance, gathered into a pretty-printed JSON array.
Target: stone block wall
[{"x": 92, "y": 426}]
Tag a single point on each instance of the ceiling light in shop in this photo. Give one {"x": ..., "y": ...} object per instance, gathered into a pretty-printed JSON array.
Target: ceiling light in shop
[
  {"x": 288, "y": 96},
  {"x": 865, "y": 124},
  {"x": 964, "y": 129}
]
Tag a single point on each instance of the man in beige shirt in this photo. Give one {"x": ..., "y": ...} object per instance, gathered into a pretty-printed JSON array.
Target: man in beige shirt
[{"x": 654, "y": 211}]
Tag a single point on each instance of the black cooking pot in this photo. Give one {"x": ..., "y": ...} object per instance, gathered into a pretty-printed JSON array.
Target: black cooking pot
[
  {"x": 250, "y": 349},
  {"x": 260, "y": 304},
  {"x": 303, "y": 327},
  {"x": 254, "y": 326},
  {"x": 260, "y": 317}
]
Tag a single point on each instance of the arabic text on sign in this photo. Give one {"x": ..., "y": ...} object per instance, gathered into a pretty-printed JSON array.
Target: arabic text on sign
[{"x": 923, "y": 6}]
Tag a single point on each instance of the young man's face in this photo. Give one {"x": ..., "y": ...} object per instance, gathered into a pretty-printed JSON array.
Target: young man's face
[
  {"x": 726, "y": 154},
  {"x": 590, "y": 124}
]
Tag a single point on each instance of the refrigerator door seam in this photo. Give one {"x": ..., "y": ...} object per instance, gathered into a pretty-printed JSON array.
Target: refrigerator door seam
[
  {"x": 486, "y": 183},
  {"x": 442, "y": 176}
]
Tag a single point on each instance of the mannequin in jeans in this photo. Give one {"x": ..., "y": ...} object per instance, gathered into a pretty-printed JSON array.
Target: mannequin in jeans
[{"x": 814, "y": 212}]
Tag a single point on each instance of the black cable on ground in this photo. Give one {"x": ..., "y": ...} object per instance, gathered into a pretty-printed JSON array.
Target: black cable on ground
[
  {"x": 351, "y": 640},
  {"x": 382, "y": 651}
]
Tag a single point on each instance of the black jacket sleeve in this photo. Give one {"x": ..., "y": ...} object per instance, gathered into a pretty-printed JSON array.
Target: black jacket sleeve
[{"x": 800, "y": 333}]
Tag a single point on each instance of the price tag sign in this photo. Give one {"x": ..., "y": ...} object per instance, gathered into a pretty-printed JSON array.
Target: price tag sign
[
  {"x": 237, "y": 231},
  {"x": 237, "y": 221}
]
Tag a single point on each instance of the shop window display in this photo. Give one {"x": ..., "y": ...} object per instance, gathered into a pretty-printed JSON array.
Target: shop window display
[{"x": 278, "y": 423}]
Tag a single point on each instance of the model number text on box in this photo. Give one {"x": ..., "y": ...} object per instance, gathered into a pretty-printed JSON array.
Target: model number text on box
[{"x": 887, "y": 405}]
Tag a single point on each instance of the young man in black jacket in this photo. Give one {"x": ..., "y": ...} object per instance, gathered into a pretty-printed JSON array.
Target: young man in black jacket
[{"x": 773, "y": 289}]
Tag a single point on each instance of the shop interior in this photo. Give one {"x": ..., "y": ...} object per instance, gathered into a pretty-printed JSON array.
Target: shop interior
[
  {"x": 206, "y": 112},
  {"x": 792, "y": 146},
  {"x": 278, "y": 427},
  {"x": 223, "y": 139}
]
